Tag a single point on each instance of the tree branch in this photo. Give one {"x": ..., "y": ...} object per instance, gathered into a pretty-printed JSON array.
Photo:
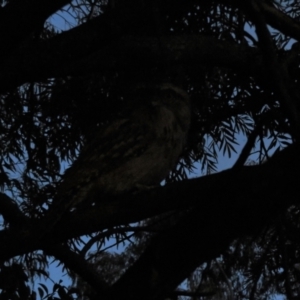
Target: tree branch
[
  {"x": 19, "y": 19},
  {"x": 208, "y": 229},
  {"x": 77, "y": 263},
  {"x": 247, "y": 148},
  {"x": 11, "y": 212},
  {"x": 274, "y": 17},
  {"x": 280, "y": 20},
  {"x": 74, "y": 53},
  {"x": 274, "y": 180},
  {"x": 281, "y": 81}
]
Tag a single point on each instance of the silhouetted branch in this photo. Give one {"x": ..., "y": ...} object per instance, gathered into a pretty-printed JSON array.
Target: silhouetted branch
[
  {"x": 20, "y": 19},
  {"x": 224, "y": 206},
  {"x": 274, "y": 17},
  {"x": 247, "y": 148},
  {"x": 281, "y": 81},
  {"x": 10, "y": 211},
  {"x": 78, "y": 264},
  {"x": 75, "y": 51}
]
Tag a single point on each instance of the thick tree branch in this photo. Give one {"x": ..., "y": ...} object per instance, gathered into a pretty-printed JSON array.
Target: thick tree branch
[
  {"x": 74, "y": 52},
  {"x": 11, "y": 212},
  {"x": 245, "y": 188},
  {"x": 207, "y": 231},
  {"x": 39, "y": 60},
  {"x": 19, "y": 19}
]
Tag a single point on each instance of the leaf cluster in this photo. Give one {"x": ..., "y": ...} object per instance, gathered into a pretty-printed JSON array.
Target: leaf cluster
[{"x": 45, "y": 122}]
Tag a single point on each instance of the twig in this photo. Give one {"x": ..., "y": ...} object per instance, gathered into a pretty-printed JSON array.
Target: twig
[
  {"x": 278, "y": 74},
  {"x": 247, "y": 148}
]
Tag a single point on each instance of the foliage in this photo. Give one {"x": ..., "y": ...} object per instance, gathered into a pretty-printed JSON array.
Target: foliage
[{"x": 239, "y": 63}]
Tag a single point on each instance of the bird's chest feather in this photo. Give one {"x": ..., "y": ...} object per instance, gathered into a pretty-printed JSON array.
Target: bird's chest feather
[{"x": 150, "y": 166}]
